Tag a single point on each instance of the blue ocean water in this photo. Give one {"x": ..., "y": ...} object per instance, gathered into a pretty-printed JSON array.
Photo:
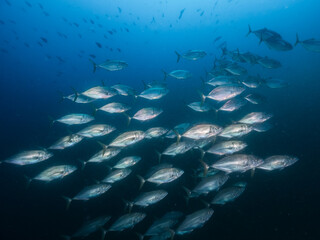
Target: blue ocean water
[{"x": 45, "y": 49}]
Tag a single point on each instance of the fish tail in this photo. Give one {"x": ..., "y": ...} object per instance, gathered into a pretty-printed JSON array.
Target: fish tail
[
  {"x": 104, "y": 147},
  {"x": 205, "y": 167},
  {"x": 206, "y": 204},
  {"x": 128, "y": 205},
  {"x": 142, "y": 181},
  {"x": 61, "y": 96},
  {"x": 188, "y": 192},
  {"x": 51, "y": 119},
  {"x": 203, "y": 97},
  {"x": 178, "y": 135},
  {"x": 172, "y": 233},
  {"x": 76, "y": 94},
  {"x": 94, "y": 65},
  {"x": 297, "y": 40},
  {"x": 249, "y": 31},
  {"x": 159, "y": 155},
  {"x": 178, "y": 56},
  {"x": 28, "y": 181},
  {"x": 82, "y": 164},
  {"x": 128, "y": 118},
  {"x": 165, "y": 75},
  {"x": 68, "y": 201}
]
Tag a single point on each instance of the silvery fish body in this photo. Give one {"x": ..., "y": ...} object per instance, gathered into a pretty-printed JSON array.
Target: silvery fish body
[
  {"x": 117, "y": 175},
  {"x": 104, "y": 155},
  {"x": 66, "y": 142},
  {"x": 201, "y": 131},
  {"x": 91, "y": 226},
  {"x": 225, "y": 92},
  {"x": 227, "y": 195},
  {"x": 99, "y": 92},
  {"x": 29, "y": 157},
  {"x": 262, "y": 127},
  {"x": 96, "y": 130},
  {"x": 252, "y": 81},
  {"x": 269, "y": 63},
  {"x": 147, "y": 113},
  {"x": 165, "y": 175},
  {"x": 200, "y": 107},
  {"x": 75, "y": 118},
  {"x": 55, "y": 172},
  {"x": 113, "y": 65},
  {"x": 255, "y": 117},
  {"x": 166, "y": 222},
  {"x": 237, "y": 163},
  {"x": 127, "y": 138},
  {"x": 79, "y": 98},
  {"x": 310, "y": 44},
  {"x": 227, "y": 147},
  {"x": 178, "y": 148},
  {"x": 235, "y": 69},
  {"x": 254, "y": 98},
  {"x": 236, "y": 130},
  {"x": 278, "y": 162},
  {"x": 194, "y": 221},
  {"x": 157, "y": 168},
  {"x": 180, "y": 74},
  {"x": 278, "y": 44},
  {"x": 155, "y": 132},
  {"x": 192, "y": 55},
  {"x": 127, "y": 162},
  {"x": 209, "y": 184},
  {"x": 222, "y": 80},
  {"x": 115, "y": 107},
  {"x": 127, "y": 221},
  {"x": 124, "y": 90},
  {"x": 181, "y": 128},
  {"x": 233, "y": 104},
  {"x": 148, "y": 198},
  {"x": 92, "y": 191},
  {"x": 154, "y": 93}
]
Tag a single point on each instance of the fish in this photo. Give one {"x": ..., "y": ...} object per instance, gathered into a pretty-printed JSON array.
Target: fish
[
  {"x": 148, "y": 198},
  {"x": 237, "y": 163},
  {"x": 124, "y": 90},
  {"x": 127, "y": 162},
  {"x": 127, "y": 139},
  {"x": 255, "y": 98},
  {"x": 255, "y": 117},
  {"x": 264, "y": 34},
  {"x": 155, "y": 132},
  {"x": 227, "y": 147},
  {"x": 236, "y": 130},
  {"x": 200, "y": 107},
  {"x": 180, "y": 147},
  {"x": 192, "y": 55},
  {"x": 91, "y": 226},
  {"x": 126, "y": 221},
  {"x": 115, "y": 107},
  {"x": 78, "y": 98},
  {"x": 117, "y": 175},
  {"x": 233, "y": 104},
  {"x": 96, "y": 130},
  {"x": 311, "y": 44},
  {"x": 252, "y": 81},
  {"x": 194, "y": 221},
  {"x": 145, "y": 114},
  {"x": 99, "y": 92},
  {"x": 55, "y": 173},
  {"x": 269, "y": 63},
  {"x": 75, "y": 119},
  {"x": 181, "y": 13},
  {"x": 278, "y": 162},
  {"x": 224, "y": 92},
  {"x": 178, "y": 74},
  {"x": 222, "y": 80},
  {"x": 278, "y": 44},
  {"x": 29, "y": 157},
  {"x": 209, "y": 184},
  {"x": 201, "y": 131},
  {"x": 154, "y": 93},
  {"x": 98, "y": 45},
  {"x": 105, "y": 154},
  {"x": 262, "y": 127},
  {"x": 110, "y": 65},
  {"x": 227, "y": 195},
  {"x": 66, "y": 142},
  {"x": 181, "y": 128},
  {"x": 161, "y": 176},
  {"x": 249, "y": 57},
  {"x": 89, "y": 192},
  {"x": 235, "y": 69}
]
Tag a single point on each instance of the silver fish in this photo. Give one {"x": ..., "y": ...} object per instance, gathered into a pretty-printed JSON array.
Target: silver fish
[
  {"x": 164, "y": 175},
  {"x": 117, "y": 175},
  {"x": 194, "y": 221},
  {"x": 255, "y": 98},
  {"x": 278, "y": 44},
  {"x": 227, "y": 147},
  {"x": 115, "y": 107},
  {"x": 148, "y": 198},
  {"x": 127, "y": 138},
  {"x": 147, "y": 113},
  {"x": 66, "y": 142},
  {"x": 100, "y": 92},
  {"x": 252, "y": 81},
  {"x": 237, "y": 163},
  {"x": 29, "y": 157},
  {"x": 191, "y": 55},
  {"x": 163, "y": 224},
  {"x": 269, "y": 63},
  {"x": 235, "y": 69},
  {"x": 309, "y": 44},
  {"x": 127, "y": 221},
  {"x": 96, "y": 130},
  {"x": 124, "y": 90},
  {"x": 221, "y": 80},
  {"x": 127, "y": 162},
  {"x": 178, "y": 148},
  {"x": 227, "y": 195},
  {"x": 278, "y": 162},
  {"x": 104, "y": 155},
  {"x": 236, "y": 130},
  {"x": 55, "y": 172},
  {"x": 233, "y": 104},
  {"x": 75, "y": 119},
  {"x": 110, "y": 65},
  {"x": 200, "y": 107},
  {"x": 255, "y": 117},
  {"x": 155, "y": 132},
  {"x": 264, "y": 34},
  {"x": 79, "y": 98},
  {"x": 178, "y": 74},
  {"x": 91, "y": 226},
  {"x": 92, "y": 191},
  {"x": 225, "y": 92},
  {"x": 154, "y": 93},
  {"x": 201, "y": 131}
]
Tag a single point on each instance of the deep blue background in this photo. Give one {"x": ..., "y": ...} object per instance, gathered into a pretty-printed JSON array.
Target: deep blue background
[{"x": 276, "y": 205}]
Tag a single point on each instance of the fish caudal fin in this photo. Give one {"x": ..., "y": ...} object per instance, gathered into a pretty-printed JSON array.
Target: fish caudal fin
[
  {"x": 68, "y": 201},
  {"x": 178, "y": 135},
  {"x": 178, "y": 56},
  {"x": 203, "y": 97},
  {"x": 165, "y": 75},
  {"x": 205, "y": 167},
  {"x": 142, "y": 181},
  {"x": 94, "y": 65},
  {"x": 128, "y": 118},
  {"x": 159, "y": 155},
  {"x": 297, "y": 40},
  {"x": 104, "y": 147},
  {"x": 249, "y": 31}
]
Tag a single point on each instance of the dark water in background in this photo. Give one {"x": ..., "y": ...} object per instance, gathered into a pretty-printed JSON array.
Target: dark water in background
[{"x": 276, "y": 205}]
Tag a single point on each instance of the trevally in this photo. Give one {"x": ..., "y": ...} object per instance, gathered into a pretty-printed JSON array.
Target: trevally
[
  {"x": 154, "y": 93},
  {"x": 75, "y": 119},
  {"x": 255, "y": 117},
  {"x": 67, "y": 141},
  {"x": 117, "y": 175},
  {"x": 236, "y": 130},
  {"x": 178, "y": 74},
  {"x": 191, "y": 55},
  {"x": 278, "y": 162},
  {"x": 96, "y": 130},
  {"x": 127, "y": 162},
  {"x": 127, "y": 139},
  {"x": 29, "y": 157},
  {"x": 224, "y": 92},
  {"x": 148, "y": 113},
  {"x": 200, "y": 107},
  {"x": 110, "y": 65},
  {"x": 227, "y": 195},
  {"x": 100, "y": 92},
  {"x": 227, "y": 147},
  {"x": 115, "y": 107},
  {"x": 55, "y": 172},
  {"x": 155, "y": 132},
  {"x": 127, "y": 221},
  {"x": 309, "y": 44}
]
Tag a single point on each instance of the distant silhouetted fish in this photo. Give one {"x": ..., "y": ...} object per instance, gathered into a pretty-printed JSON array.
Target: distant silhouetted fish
[
  {"x": 98, "y": 45},
  {"x": 181, "y": 13}
]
